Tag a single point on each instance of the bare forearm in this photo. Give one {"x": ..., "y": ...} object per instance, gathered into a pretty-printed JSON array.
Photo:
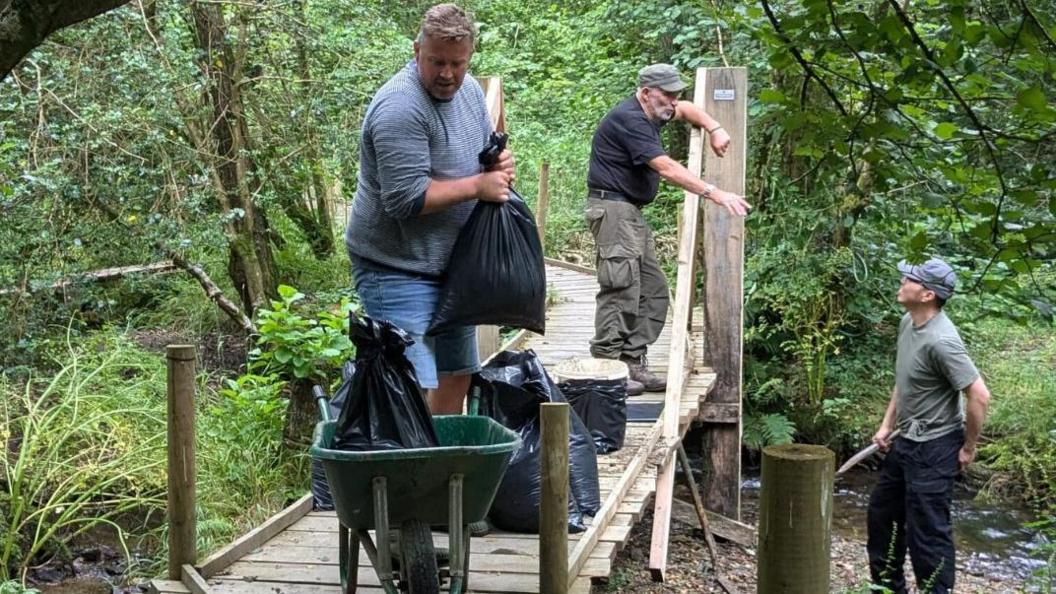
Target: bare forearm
[
  {"x": 975, "y": 413},
  {"x": 695, "y": 116},
  {"x": 674, "y": 172},
  {"x": 443, "y": 194}
]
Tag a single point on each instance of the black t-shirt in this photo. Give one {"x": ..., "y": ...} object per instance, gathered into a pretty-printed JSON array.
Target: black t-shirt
[{"x": 623, "y": 145}]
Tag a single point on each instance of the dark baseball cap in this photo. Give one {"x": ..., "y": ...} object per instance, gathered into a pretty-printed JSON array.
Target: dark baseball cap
[
  {"x": 934, "y": 274},
  {"x": 661, "y": 76}
]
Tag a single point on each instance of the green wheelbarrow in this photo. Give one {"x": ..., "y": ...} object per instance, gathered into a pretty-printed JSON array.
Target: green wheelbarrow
[{"x": 411, "y": 491}]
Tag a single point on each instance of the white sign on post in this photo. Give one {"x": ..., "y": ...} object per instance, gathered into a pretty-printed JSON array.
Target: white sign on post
[{"x": 724, "y": 94}]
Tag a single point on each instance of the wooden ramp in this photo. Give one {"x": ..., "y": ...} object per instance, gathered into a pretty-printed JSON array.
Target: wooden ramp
[{"x": 296, "y": 552}]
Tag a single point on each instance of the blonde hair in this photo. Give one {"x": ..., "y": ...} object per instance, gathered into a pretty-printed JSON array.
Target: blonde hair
[{"x": 447, "y": 22}]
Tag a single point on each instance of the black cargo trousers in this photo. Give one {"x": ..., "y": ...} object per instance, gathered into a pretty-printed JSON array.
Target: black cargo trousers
[
  {"x": 910, "y": 508},
  {"x": 633, "y": 297}
]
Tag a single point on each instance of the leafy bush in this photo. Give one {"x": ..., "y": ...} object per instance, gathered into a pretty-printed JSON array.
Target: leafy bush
[{"x": 293, "y": 346}]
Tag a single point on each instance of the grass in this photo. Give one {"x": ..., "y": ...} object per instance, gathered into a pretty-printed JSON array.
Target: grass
[{"x": 87, "y": 449}]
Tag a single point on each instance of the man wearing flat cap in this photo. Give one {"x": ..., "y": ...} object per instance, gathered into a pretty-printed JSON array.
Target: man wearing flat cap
[
  {"x": 910, "y": 505},
  {"x": 627, "y": 161}
]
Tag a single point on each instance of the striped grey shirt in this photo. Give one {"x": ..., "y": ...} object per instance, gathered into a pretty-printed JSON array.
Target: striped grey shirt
[{"x": 408, "y": 140}]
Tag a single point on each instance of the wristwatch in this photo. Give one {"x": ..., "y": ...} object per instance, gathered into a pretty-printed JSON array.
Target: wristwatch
[{"x": 708, "y": 190}]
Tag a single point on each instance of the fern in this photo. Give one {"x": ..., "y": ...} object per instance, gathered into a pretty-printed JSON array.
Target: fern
[{"x": 761, "y": 430}]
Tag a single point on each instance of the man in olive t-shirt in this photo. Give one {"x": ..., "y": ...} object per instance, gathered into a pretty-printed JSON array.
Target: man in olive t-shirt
[{"x": 911, "y": 502}]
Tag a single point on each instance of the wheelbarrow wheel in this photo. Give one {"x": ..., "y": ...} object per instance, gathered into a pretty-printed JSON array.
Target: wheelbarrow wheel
[{"x": 418, "y": 568}]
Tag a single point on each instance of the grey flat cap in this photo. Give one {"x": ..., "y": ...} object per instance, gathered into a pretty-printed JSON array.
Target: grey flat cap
[
  {"x": 934, "y": 274},
  {"x": 661, "y": 76}
]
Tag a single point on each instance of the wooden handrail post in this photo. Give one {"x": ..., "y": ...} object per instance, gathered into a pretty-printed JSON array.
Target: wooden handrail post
[
  {"x": 553, "y": 504},
  {"x": 795, "y": 519},
  {"x": 181, "y": 387},
  {"x": 725, "y": 99},
  {"x": 544, "y": 202}
]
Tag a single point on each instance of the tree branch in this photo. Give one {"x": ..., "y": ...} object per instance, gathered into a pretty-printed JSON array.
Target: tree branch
[
  {"x": 799, "y": 58},
  {"x": 24, "y": 24},
  {"x": 967, "y": 109}
]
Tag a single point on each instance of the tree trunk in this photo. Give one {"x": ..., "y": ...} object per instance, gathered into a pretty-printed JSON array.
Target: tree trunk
[
  {"x": 795, "y": 519},
  {"x": 301, "y": 414},
  {"x": 250, "y": 262},
  {"x": 24, "y": 24}
]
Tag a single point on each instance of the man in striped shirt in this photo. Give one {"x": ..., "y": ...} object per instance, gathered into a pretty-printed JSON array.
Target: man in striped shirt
[{"x": 419, "y": 179}]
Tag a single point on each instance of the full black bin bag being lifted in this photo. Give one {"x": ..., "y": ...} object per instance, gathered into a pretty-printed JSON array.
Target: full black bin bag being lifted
[
  {"x": 384, "y": 408},
  {"x": 496, "y": 274},
  {"x": 513, "y": 385}
]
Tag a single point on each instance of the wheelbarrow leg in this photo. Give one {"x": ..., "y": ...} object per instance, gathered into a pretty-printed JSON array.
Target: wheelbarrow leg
[
  {"x": 348, "y": 551},
  {"x": 383, "y": 562},
  {"x": 455, "y": 528}
]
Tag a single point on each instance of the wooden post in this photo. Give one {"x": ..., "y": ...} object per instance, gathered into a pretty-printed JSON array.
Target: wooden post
[
  {"x": 795, "y": 519},
  {"x": 544, "y": 202},
  {"x": 489, "y": 339},
  {"x": 553, "y": 504},
  {"x": 726, "y": 100},
  {"x": 182, "y": 530}
]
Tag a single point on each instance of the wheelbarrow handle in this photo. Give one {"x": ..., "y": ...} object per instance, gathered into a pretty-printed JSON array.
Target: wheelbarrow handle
[{"x": 323, "y": 401}]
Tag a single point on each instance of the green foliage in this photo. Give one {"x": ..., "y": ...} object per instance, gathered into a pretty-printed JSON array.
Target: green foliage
[
  {"x": 14, "y": 587},
  {"x": 89, "y": 447},
  {"x": 765, "y": 430},
  {"x": 294, "y": 346}
]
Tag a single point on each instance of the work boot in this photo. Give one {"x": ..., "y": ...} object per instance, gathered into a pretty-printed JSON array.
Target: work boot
[
  {"x": 634, "y": 388},
  {"x": 640, "y": 373}
]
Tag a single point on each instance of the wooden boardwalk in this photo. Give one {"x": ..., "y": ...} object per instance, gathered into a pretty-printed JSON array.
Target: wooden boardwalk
[{"x": 296, "y": 552}]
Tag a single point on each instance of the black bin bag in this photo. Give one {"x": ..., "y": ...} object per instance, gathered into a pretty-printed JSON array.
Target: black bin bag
[
  {"x": 322, "y": 500},
  {"x": 602, "y": 404},
  {"x": 512, "y": 386},
  {"x": 384, "y": 409},
  {"x": 496, "y": 274}
]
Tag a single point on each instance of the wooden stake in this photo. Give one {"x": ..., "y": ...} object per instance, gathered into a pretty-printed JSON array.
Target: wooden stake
[
  {"x": 544, "y": 202},
  {"x": 553, "y": 505},
  {"x": 698, "y": 505},
  {"x": 795, "y": 519},
  {"x": 182, "y": 530}
]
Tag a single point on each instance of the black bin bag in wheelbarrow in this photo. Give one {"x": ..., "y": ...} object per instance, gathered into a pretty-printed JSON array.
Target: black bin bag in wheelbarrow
[
  {"x": 384, "y": 409},
  {"x": 322, "y": 500},
  {"x": 602, "y": 404},
  {"x": 496, "y": 274},
  {"x": 513, "y": 385}
]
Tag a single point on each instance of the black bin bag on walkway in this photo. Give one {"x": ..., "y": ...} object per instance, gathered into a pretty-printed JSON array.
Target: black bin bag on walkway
[
  {"x": 322, "y": 500},
  {"x": 496, "y": 274},
  {"x": 513, "y": 385},
  {"x": 384, "y": 409},
  {"x": 602, "y": 404}
]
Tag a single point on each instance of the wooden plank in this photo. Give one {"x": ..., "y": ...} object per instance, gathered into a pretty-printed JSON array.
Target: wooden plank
[
  {"x": 193, "y": 580},
  {"x": 167, "y": 587},
  {"x": 677, "y": 358},
  {"x": 258, "y": 536},
  {"x": 570, "y": 266},
  {"x": 612, "y": 502},
  {"x": 543, "y": 203},
  {"x": 724, "y": 284},
  {"x": 719, "y": 412},
  {"x": 488, "y": 341}
]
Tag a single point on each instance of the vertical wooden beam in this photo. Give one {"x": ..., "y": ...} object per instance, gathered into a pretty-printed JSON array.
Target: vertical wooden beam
[
  {"x": 544, "y": 202},
  {"x": 489, "y": 340},
  {"x": 182, "y": 530},
  {"x": 553, "y": 504},
  {"x": 680, "y": 357},
  {"x": 726, "y": 100}
]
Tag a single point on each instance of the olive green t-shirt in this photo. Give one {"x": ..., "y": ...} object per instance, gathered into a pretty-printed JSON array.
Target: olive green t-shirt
[{"x": 931, "y": 370}]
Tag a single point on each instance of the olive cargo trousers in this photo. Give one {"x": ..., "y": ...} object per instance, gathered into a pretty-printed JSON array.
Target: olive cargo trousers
[{"x": 633, "y": 297}]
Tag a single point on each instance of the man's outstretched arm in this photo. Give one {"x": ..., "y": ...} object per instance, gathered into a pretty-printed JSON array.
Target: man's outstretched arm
[{"x": 676, "y": 173}]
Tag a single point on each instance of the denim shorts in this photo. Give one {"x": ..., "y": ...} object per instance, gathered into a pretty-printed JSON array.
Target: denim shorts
[{"x": 409, "y": 300}]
